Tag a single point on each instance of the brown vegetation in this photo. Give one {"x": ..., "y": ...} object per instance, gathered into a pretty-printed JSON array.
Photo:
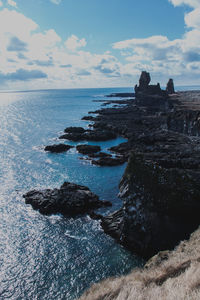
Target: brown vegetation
[{"x": 170, "y": 275}]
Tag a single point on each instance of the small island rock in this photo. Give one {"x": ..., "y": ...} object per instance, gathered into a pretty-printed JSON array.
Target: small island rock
[
  {"x": 70, "y": 200},
  {"x": 57, "y": 148}
]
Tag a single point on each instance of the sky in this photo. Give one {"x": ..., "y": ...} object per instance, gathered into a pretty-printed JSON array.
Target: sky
[{"x": 98, "y": 43}]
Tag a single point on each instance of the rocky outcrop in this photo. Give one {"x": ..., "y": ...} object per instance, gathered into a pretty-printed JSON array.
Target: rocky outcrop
[
  {"x": 99, "y": 155},
  {"x": 70, "y": 200},
  {"x": 89, "y": 135},
  {"x": 145, "y": 88},
  {"x": 58, "y": 148},
  {"x": 170, "y": 87},
  {"x": 88, "y": 149},
  {"x": 158, "y": 202},
  {"x": 160, "y": 188},
  {"x": 74, "y": 130},
  {"x": 109, "y": 161}
]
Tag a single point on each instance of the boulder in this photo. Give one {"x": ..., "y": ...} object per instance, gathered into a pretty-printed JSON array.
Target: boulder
[
  {"x": 57, "y": 148},
  {"x": 70, "y": 200},
  {"x": 88, "y": 149}
]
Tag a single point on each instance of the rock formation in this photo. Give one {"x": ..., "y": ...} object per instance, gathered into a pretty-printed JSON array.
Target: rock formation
[
  {"x": 160, "y": 188},
  {"x": 170, "y": 87},
  {"x": 58, "y": 148},
  {"x": 88, "y": 135},
  {"x": 145, "y": 89},
  {"x": 88, "y": 149},
  {"x": 70, "y": 200}
]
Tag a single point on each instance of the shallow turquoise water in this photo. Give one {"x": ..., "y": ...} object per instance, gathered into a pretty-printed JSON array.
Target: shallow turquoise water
[{"x": 44, "y": 257}]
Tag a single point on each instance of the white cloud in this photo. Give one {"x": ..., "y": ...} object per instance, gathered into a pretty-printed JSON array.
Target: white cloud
[
  {"x": 12, "y": 3},
  {"x": 47, "y": 60},
  {"x": 73, "y": 43},
  {"x": 192, "y": 19},
  {"x": 1, "y": 3},
  {"x": 191, "y": 3},
  {"x": 16, "y": 24}
]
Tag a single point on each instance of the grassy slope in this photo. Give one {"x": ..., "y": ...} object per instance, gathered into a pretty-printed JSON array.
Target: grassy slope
[{"x": 170, "y": 275}]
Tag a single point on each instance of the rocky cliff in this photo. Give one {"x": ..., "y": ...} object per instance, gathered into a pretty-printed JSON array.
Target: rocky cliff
[{"x": 160, "y": 192}]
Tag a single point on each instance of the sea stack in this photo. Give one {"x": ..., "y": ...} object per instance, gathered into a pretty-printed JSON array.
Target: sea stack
[
  {"x": 145, "y": 89},
  {"x": 170, "y": 87}
]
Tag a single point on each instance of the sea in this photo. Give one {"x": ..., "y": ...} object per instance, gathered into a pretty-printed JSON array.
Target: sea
[{"x": 53, "y": 257}]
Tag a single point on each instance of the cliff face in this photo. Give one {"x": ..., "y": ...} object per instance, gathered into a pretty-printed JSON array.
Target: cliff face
[
  {"x": 160, "y": 192},
  {"x": 169, "y": 275},
  {"x": 160, "y": 188},
  {"x": 161, "y": 206}
]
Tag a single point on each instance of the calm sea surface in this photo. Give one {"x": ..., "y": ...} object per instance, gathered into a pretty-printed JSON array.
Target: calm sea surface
[{"x": 52, "y": 257}]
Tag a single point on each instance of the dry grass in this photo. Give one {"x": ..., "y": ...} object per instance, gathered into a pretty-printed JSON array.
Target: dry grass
[{"x": 169, "y": 275}]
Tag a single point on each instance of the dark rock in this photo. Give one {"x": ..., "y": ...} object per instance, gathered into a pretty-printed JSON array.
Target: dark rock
[
  {"x": 121, "y": 95},
  {"x": 95, "y": 216},
  {"x": 121, "y": 148},
  {"x": 75, "y": 137},
  {"x": 144, "y": 80},
  {"x": 70, "y": 200},
  {"x": 74, "y": 130},
  {"x": 58, "y": 148},
  {"x": 161, "y": 207},
  {"x": 88, "y": 118},
  {"x": 90, "y": 135},
  {"x": 145, "y": 89},
  {"x": 170, "y": 87},
  {"x": 113, "y": 224},
  {"x": 100, "y": 154},
  {"x": 88, "y": 149},
  {"x": 109, "y": 161}
]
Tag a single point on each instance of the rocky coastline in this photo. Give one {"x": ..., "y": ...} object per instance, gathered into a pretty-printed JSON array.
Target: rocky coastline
[
  {"x": 160, "y": 193},
  {"x": 160, "y": 187}
]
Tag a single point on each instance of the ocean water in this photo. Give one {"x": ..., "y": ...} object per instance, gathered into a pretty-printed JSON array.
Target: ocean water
[{"x": 52, "y": 257}]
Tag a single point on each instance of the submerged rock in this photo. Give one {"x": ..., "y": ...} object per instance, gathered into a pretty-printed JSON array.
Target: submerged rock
[
  {"x": 70, "y": 200},
  {"x": 58, "y": 148}
]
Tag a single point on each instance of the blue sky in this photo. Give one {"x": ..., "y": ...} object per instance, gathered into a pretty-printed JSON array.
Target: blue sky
[{"x": 97, "y": 43}]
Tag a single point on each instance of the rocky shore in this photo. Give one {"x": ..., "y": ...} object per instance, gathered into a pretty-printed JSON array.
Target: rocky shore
[
  {"x": 160, "y": 188},
  {"x": 160, "y": 192}
]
